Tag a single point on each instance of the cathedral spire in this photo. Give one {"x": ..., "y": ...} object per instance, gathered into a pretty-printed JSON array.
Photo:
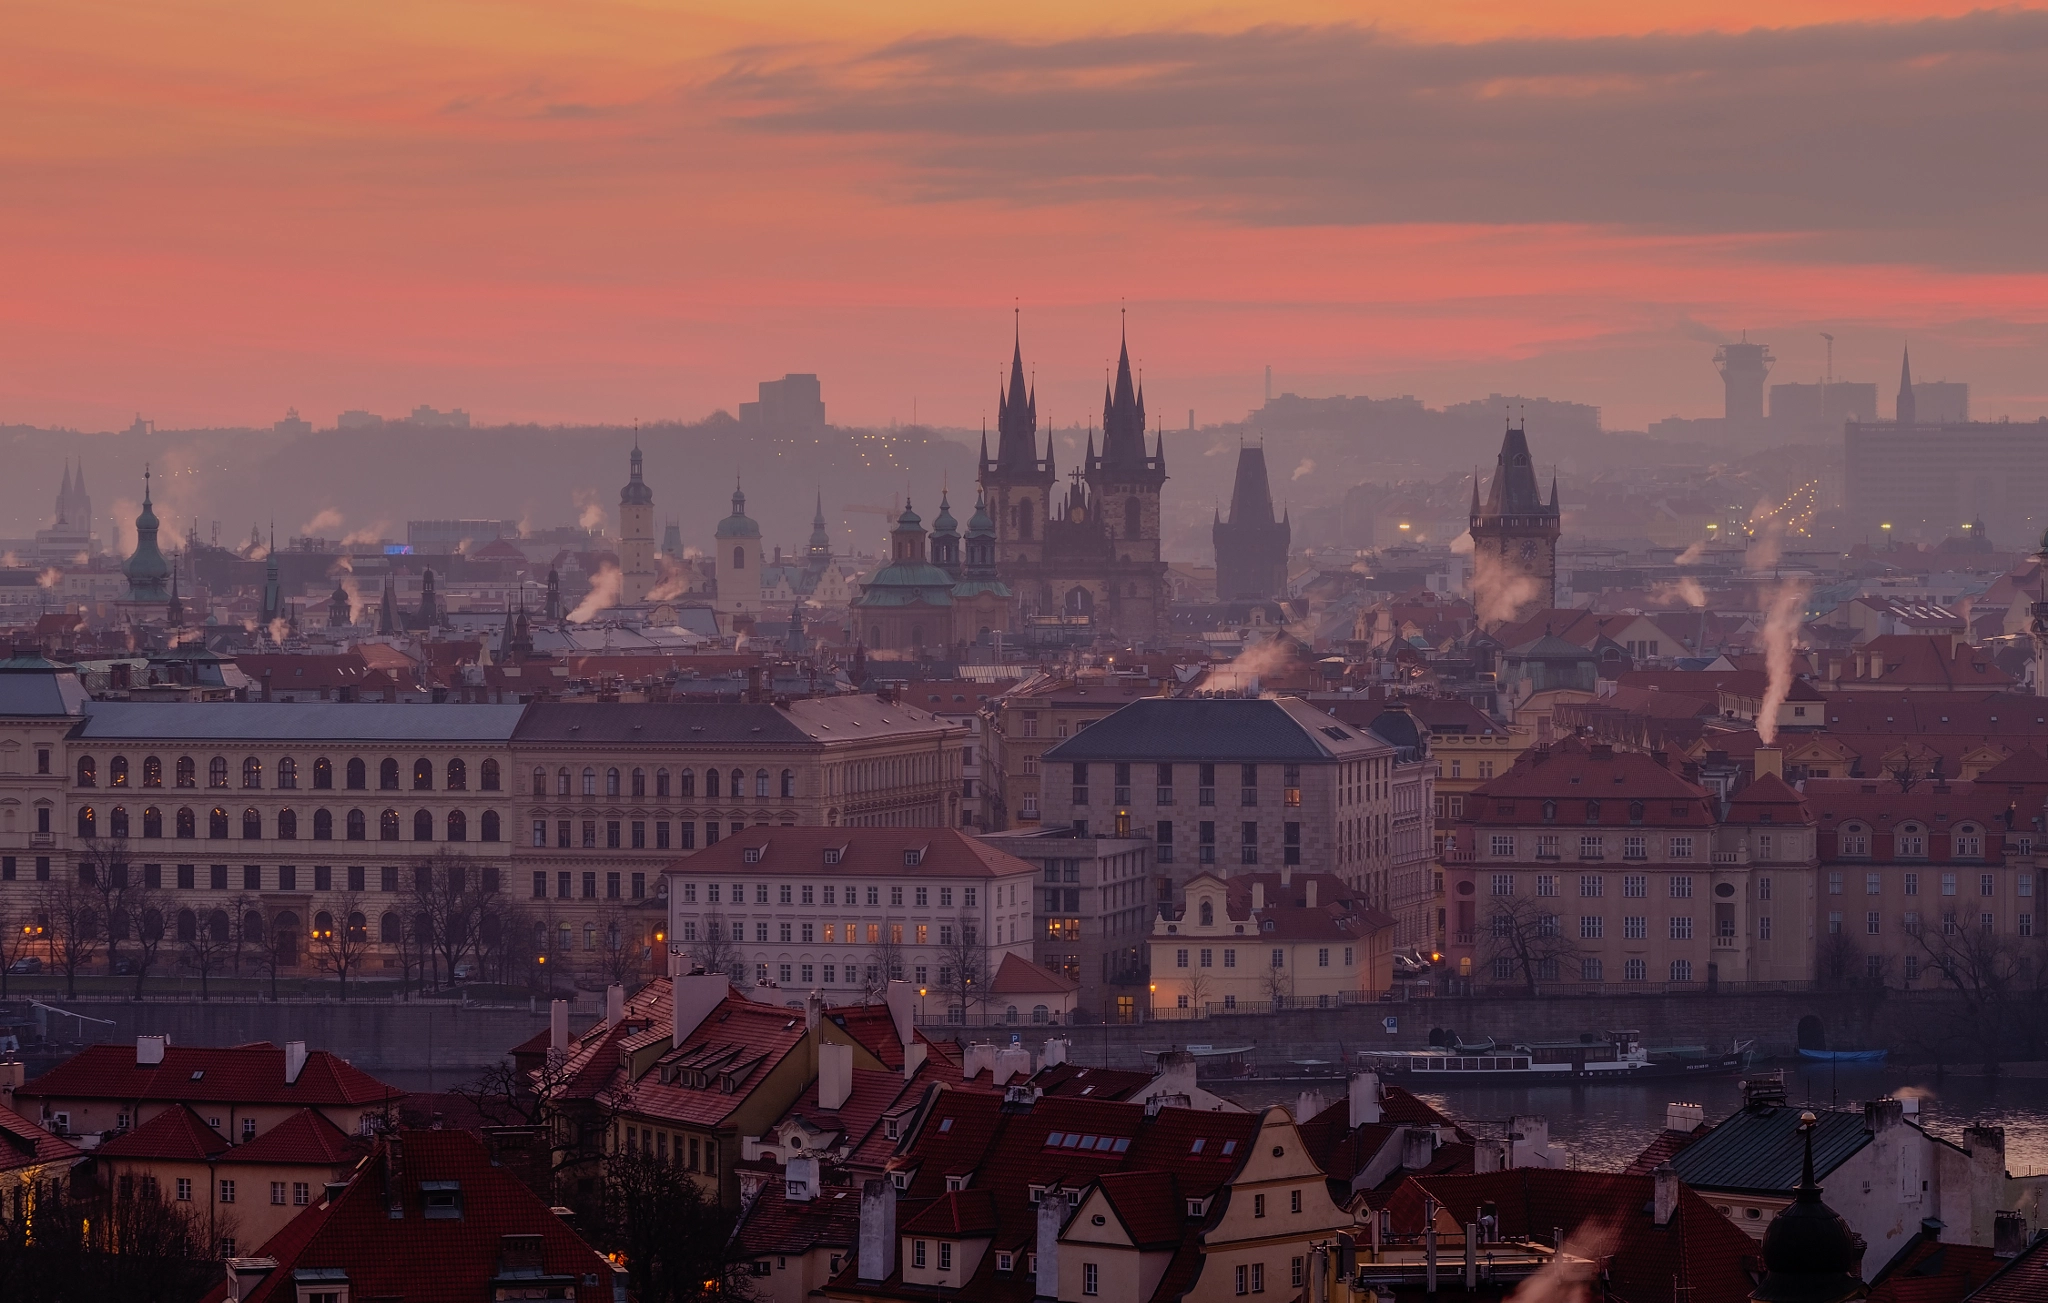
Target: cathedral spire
[
  {"x": 1016, "y": 417},
  {"x": 1909, "y": 408},
  {"x": 1123, "y": 420}
]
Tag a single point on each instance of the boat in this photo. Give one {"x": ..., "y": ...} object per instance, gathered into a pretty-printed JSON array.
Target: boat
[
  {"x": 1620, "y": 1056},
  {"x": 1844, "y": 1056}
]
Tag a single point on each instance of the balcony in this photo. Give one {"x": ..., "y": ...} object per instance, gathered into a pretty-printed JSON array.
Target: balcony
[
  {"x": 1729, "y": 857},
  {"x": 1727, "y": 943},
  {"x": 42, "y": 841}
]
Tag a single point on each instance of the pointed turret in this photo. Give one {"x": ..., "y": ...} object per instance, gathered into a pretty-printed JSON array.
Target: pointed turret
[
  {"x": 1514, "y": 491},
  {"x": 1016, "y": 420},
  {"x": 64, "y": 496},
  {"x": 1251, "y": 546},
  {"x": 1908, "y": 407}
]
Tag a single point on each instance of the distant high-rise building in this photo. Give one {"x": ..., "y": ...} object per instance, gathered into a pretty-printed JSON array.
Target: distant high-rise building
[
  {"x": 1941, "y": 402},
  {"x": 794, "y": 403},
  {"x": 638, "y": 569},
  {"x": 428, "y": 418},
  {"x": 293, "y": 425},
  {"x": 1744, "y": 367},
  {"x": 1823, "y": 404},
  {"x": 1922, "y": 474},
  {"x": 1251, "y": 546},
  {"x": 358, "y": 420}
]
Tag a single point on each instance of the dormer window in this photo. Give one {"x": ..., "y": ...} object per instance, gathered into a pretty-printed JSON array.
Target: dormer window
[
  {"x": 831, "y": 855},
  {"x": 956, "y": 1183},
  {"x": 912, "y": 858},
  {"x": 889, "y": 1128},
  {"x": 751, "y": 855},
  {"x": 441, "y": 1200},
  {"x": 1196, "y": 1208}
]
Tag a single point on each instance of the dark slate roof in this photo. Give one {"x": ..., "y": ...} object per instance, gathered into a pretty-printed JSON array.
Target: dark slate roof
[
  {"x": 1759, "y": 1149},
  {"x": 823, "y": 719},
  {"x": 295, "y": 721},
  {"x": 1228, "y": 730},
  {"x": 32, "y": 686}
]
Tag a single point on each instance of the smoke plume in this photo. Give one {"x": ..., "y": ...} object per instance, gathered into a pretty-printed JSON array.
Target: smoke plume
[
  {"x": 1781, "y": 626},
  {"x": 1307, "y": 468},
  {"x": 1691, "y": 556},
  {"x": 1683, "y": 589},
  {"x": 603, "y": 595},
  {"x": 325, "y": 519},
  {"x": 590, "y": 509},
  {"x": 1568, "y": 1279},
  {"x": 1499, "y": 595},
  {"x": 367, "y": 534},
  {"x": 674, "y": 582}
]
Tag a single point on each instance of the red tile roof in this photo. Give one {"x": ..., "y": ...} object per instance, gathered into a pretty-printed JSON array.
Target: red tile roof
[
  {"x": 1933, "y": 1272},
  {"x": 1573, "y": 773},
  {"x": 419, "y": 1259},
  {"x": 24, "y": 1144},
  {"x": 1078, "y": 1079},
  {"x": 1666, "y": 1145},
  {"x": 207, "y": 1074},
  {"x": 777, "y": 1224},
  {"x": 1149, "y": 1204},
  {"x": 1605, "y": 1212},
  {"x": 1019, "y": 976},
  {"x": 305, "y": 1138},
  {"x": 956, "y": 1213},
  {"x": 176, "y": 1133},
  {"x": 863, "y": 852}
]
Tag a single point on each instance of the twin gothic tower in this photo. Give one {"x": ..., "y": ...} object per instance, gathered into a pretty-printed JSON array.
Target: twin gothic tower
[{"x": 1084, "y": 558}]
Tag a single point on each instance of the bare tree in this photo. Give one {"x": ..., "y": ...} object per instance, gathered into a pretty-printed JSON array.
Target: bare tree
[
  {"x": 147, "y": 906},
  {"x": 1987, "y": 971},
  {"x": 963, "y": 967},
  {"x": 715, "y": 949},
  {"x": 20, "y": 931},
  {"x": 1278, "y": 985},
  {"x": 619, "y": 956},
  {"x": 1525, "y": 941},
  {"x": 452, "y": 895},
  {"x": 204, "y": 943},
  {"x": 69, "y": 907},
  {"x": 102, "y": 864},
  {"x": 341, "y": 944},
  {"x": 1201, "y": 985},
  {"x": 885, "y": 962},
  {"x": 1837, "y": 959}
]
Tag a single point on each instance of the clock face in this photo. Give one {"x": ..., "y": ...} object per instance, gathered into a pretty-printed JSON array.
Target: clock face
[{"x": 1528, "y": 549}]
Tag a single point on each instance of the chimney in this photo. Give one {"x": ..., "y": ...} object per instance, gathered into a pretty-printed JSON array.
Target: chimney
[
  {"x": 1052, "y": 1216},
  {"x": 1286, "y": 875},
  {"x": 1258, "y": 896},
  {"x": 814, "y": 1009},
  {"x": 694, "y": 998},
  {"x": 614, "y": 1005},
  {"x": 1881, "y": 1115},
  {"x": 1308, "y": 1104},
  {"x": 1365, "y": 1099},
  {"x": 1486, "y": 1156},
  {"x": 1471, "y": 1256},
  {"x": 1055, "y": 1052},
  {"x": 1013, "y": 1063},
  {"x": 149, "y": 1050},
  {"x": 980, "y": 1057},
  {"x": 294, "y": 1061},
  {"x": 1308, "y": 886},
  {"x": 1770, "y": 760},
  {"x": 1664, "y": 1201},
  {"x": 558, "y": 1031},
  {"x": 2008, "y": 1234},
  {"x": 877, "y": 1230},
  {"x": 1684, "y": 1117},
  {"x": 1418, "y": 1146},
  {"x": 800, "y": 1178},
  {"x": 835, "y": 1074}
]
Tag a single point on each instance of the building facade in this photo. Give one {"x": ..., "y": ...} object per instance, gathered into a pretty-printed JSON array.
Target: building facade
[
  {"x": 1094, "y": 901},
  {"x": 1020, "y": 725},
  {"x": 1259, "y": 942}
]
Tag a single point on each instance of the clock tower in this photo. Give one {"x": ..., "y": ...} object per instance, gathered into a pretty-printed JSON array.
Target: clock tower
[{"x": 1514, "y": 538}]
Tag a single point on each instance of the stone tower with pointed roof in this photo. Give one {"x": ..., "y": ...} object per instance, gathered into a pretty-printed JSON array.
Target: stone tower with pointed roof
[
  {"x": 1089, "y": 554},
  {"x": 149, "y": 575},
  {"x": 638, "y": 570},
  {"x": 1251, "y": 546},
  {"x": 736, "y": 561},
  {"x": 1908, "y": 410},
  {"x": 1514, "y": 536}
]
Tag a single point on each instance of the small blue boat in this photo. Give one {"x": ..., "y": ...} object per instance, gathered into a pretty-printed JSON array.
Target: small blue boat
[{"x": 1845, "y": 1056}]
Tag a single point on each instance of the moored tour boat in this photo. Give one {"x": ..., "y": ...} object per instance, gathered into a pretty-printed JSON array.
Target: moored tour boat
[{"x": 1620, "y": 1056}]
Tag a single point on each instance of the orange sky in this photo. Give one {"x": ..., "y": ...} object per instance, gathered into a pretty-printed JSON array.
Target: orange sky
[{"x": 610, "y": 210}]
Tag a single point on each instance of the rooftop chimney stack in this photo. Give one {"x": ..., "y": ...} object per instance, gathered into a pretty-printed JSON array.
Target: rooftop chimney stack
[
  {"x": 614, "y": 1005},
  {"x": 1052, "y": 1217},
  {"x": 800, "y": 1178},
  {"x": 149, "y": 1050},
  {"x": 1365, "y": 1099},
  {"x": 835, "y": 1074},
  {"x": 1665, "y": 1197},
  {"x": 294, "y": 1061},
  {"x": 558, "y": 1031},
  {"x": 1684, "y": 1117},
  {"x": 877, "y": 1230},
  {"x": 693, "y": 999},
  {"x": 1770, "y": 760}
]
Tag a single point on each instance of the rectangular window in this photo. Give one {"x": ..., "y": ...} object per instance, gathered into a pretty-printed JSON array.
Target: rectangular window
[
  {"x": 1948, "y": 884},
  {"x": 1590, "y": 970},
  {"x": 540, "y": 884},
  {"x": 1633, "y": 847},
  {"x": 1503, "y": 884},
  {"x": 1229, "y": 958},
  {"x": 227, "y": 1190},
  {"x": 1503, "y": 845},
  {"x": 1763, "y": 927},
  {"x": 1873, "y": 923},
  {"x": 1635, "y": 886},
  {"x": 540, "y": 832},
  {"x": 1834, "y": 884},
  {"x": 1090, "y": 1279},
  {"x": 323, "y": 877},
  {"x": 1180, "y": 959},
  {"x": 1681, "y": 848},
  {"x": 1592, "y": 846},
  {"x": 1873, "y": 885},
  {"x": 1546, "y": 884},
  {"x": 1635, "y": 927},
  {"x": 1681, "y": 927},
  {"x": 1681, "y": 886},
  {"x": 1591, "y": 927},
  {"x": 1985, "y": 885},
  {"x": 1592, "y": 886},
  {"x": 1290, "y": 837},
  {"x": 1248, "y": 848}
]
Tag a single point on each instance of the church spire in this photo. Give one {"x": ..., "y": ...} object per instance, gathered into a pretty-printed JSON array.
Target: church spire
[
  {"x": 1123, "y": 420},
  {"x": 1909, "y": 408},
  {"x": 1016, "y": 418}
]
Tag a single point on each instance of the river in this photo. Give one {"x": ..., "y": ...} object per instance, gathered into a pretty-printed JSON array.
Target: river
[{"x": 1604, "y": 1127}]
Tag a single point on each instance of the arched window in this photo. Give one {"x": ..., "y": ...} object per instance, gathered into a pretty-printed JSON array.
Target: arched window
[
  {"x": 1636, "y": 811},
  {"x": 152, "y": 925},
  {"x": 152, "y": 771},
  {"x": 188, "y": 772},
  {"x": 611, "y": 781},
  {"x": 217, "y": 772},
  {"x": 358, "y": 774},
  {"x": 1040, "y": 1014},
  {"x": 1134, "y": 518},
  {"x": 562, "y": 781},
  {"x": 639, "y": 781},
  {"x": 288, "y": 774},
  {"x": 217, "y": 823},
  {"x": 589, "y": 781},
  {"x": 188, "y": 925},
  {"x": 490, "y": 775},
  {"x": 1010, "y": 1013},
  {"x": 252, "y": 825},
  {"x": 761, "y": 784},
  {"x": 358, "y": 926},
  {"x": 387, "y": 775},
  {"x": 287, "y": 932},
  {"x": 789, "y": 784},
  {"x": 739, "y": 785},
  {"x": 686, "y": 785},
  {"x": 152, "y": 821},
  {"x": 458, "y": 826},
  {"x": 739, "y": 558},
  {"x": 1208, "y": 914},
  {"x": 117, "y": 822},
  {"x": 711, "y": 784},
  {"x": 87, "y": 825},
  {"x": 1592, "y": 812},
  {"x": 287, "y": 824},
  {"x": 458, "y": 775},
  {"x": 388, "y": 929},
  {"x": 323, "y": 774},
  {"x": 661, "y": 784},
  {"x": 323, "y": 925},
  {"x": 1550, "y": 812},
  {"x": 540, "y": 781},
  {"x": 117, "y": 772},
  {"x": 188, "y": 826},
  {"x": 252, "y": 928},
  {"x": 358, "y": 826},
  {"x": 490, "y": 826},
  {"x": 323, "y": 825},
  {"x": 218, "y": 929},
  {"x": 387, "y": 826},
  {"x": 422, "y": 775},
  {"x": 252, "y": 772},
  {"x": 88, "y": 772}
]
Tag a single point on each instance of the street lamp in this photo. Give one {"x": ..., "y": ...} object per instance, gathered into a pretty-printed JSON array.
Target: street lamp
[{"x": 1152, "y": 1005}]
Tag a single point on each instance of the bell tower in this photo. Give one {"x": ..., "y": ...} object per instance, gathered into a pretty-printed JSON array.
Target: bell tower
[
  {"x": 1514, "y": 538},
  {"x": 1017, "y": 483}
]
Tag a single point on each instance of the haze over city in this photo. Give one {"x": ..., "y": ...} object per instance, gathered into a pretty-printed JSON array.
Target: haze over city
[{"x": 664, "y": 652}]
